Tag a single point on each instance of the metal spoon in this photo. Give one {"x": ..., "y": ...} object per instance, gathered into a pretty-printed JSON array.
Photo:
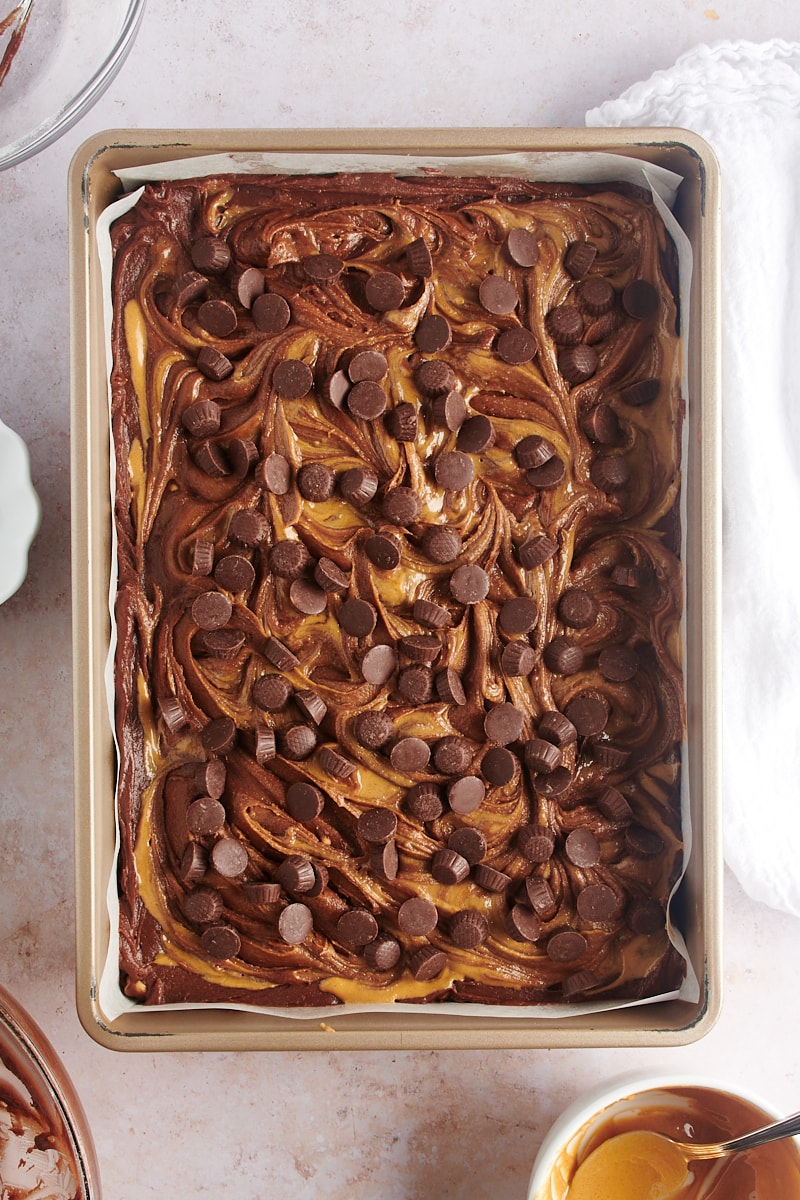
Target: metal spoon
[{"x": 773, "y": 1132}]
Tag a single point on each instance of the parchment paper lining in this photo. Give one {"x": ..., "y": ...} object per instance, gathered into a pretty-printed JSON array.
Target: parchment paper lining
[{"x": 547, "y": 167}]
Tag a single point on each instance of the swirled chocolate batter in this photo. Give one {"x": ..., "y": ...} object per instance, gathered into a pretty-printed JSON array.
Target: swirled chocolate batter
[{"x": 399, "y": 691}]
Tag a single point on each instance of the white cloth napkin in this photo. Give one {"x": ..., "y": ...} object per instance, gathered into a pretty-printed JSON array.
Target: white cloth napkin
[{"x": 744, "y": 99}]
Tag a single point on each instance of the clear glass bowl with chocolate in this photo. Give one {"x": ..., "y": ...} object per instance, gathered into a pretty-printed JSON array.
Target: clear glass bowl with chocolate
[{"x": 46, "y": 1148}]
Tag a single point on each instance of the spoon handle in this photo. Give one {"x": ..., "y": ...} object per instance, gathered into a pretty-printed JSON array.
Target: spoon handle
[{"x": 788, "y": 1127}]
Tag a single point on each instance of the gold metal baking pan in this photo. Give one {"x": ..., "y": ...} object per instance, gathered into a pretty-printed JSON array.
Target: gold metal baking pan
[{"x": 92, "y": 185}]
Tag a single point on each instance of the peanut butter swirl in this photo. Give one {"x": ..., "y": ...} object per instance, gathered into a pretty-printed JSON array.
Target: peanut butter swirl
[{"x": 399, "y": 690}]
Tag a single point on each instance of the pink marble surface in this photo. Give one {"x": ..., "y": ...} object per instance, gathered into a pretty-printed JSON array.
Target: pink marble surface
[{"x": 400, "y": 1126}]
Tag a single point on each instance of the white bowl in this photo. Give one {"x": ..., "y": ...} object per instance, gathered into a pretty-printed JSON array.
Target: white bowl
[
  {"x": 20, "y": 511},
  {"x": 566, "y": 1141}
]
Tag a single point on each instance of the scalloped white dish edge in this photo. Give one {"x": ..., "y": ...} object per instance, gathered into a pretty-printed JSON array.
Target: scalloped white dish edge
[{"x": 20, "y": 511}]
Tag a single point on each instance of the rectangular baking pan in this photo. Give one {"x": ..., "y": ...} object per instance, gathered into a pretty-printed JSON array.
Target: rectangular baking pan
[{"x": 92, "y": 185}]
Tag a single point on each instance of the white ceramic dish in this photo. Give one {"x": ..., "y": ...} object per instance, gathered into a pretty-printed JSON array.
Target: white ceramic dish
[
  {"x": 68, "y": 53},
  {"x": 573, "y": 1130},
  {"x": 20, "y": 511}
]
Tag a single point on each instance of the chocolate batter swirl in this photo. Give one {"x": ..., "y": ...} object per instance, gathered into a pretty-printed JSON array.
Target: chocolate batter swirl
[{"x": 399, "y": 692}]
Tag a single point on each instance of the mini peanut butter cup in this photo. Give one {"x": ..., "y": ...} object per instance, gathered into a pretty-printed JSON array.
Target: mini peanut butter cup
[
  {"x": 475, "y": 435},
  {"x": 454, "y": 470},
  {"x": 221, "y": 942},
  {"x": 490, "y": 879},
  {"x": 596, "y": 295},
  {"x": 298, "y": 741},
  {"x": 562, "y": 656},
  {"x": 401, "y": 506},
  {"x": 382, "y": 954},
  {"x": 248, "y": 527},
  {"x": 449, "y": 867},
  {"x": 640, "y": 299},
  {"x": 418, "y": 259},
  {"x": 292, "y": 379},
  {"x": 217, "y": 317},
  {"x": 468, "y": 929},
  {"x": 503, "y": 724},
  {"x": 499, "y": 766},
  {"x": 377, "y": 825},
  {"x": 470, "y": 843},
  {"x": 498, "y": 295},
  {"x": 449, "y": 687},
  {"x": 357, "y": 927},
  {"x": 358, "y": 485},
  {"x": 452, "y": 755},
  {"x": 434, "y": 377},
  {"x": 521, "y": 247},
  {"x": 449, "y": 411},
  {"x": 402, "y": 422},
  {"x": 577, "y": 363},
  {"x": 288, "y": 559},
  {"x": 329, "y": 576},
  {"x": 214, "y": 364},
  {"x": 417, "y": 916},
  {"x": 316, "y": 481},
  {"x": 427, "y": 963},
  {"x": 211, "y": 255},
  {"x": 373, "y": 729},
  {"x": 522, "y": 924},
  {"x": 564, "y": 324},
  {"x": 441, "y": 544},
  {"x": 212, "y": 610},
  {"x": 304, "y": 801},
  {"x": 578, "y": 258},
  {"x": 423, "y": 801},
  {"x": 367, "y": 400},
  {"x": 383, "y": 551},
  {"x": 202, "y": 418},
  {"x": 469, "y": 584}
]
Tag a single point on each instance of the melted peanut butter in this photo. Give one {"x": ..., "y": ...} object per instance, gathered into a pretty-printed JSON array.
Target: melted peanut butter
[{"x": 166, "y": 502}]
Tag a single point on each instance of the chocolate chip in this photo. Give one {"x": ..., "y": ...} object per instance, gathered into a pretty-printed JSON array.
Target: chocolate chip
[
  {"x": 402, "y": 422},
  {"x": 311, "y": 705},
  {"x": 517, "y": 346},
  {"x": 466, "y": 794},
  {"x": 415, "y": 684},
  {"x": 536, "y": 843},
  {"x": 499, "y": 766},
  {"x": 373, "y": 729},
  {"x": 518, "y": 658},
  {"x": 383, "y": 551},
  {"x": 452, "y": 755},
  {"x": 645, "y": 391},
  {"x": 541, "y": 755},
  {"x": 401, "y": 506},
  {"x": 564, "y": 324},
  {"x": 540, "y": 897},
  {"x": 596, "y": 296},
  {"x": 454, "y": 470},
  {"x": 288, "y": 559},
  {"x": 418, "y": 258},
  {"x": 640, "y": 299},
  {"x": 205, "y": 816},
  {"x": 211, "y": 254},
  {"x": 307, "y": 597},
  {"x": 358, "y": 485},
  {"x": 449, "y": 411},
  {"x": 589, "y": 714},
  {"x": 279, "y": 655},
  {"x": 213, "y": 364},
  {"x": 271, "y": 692},
  {"x": 577, "y": 608},
  {"x": 553, "y": 784},
  {"x": 646, "y": 916},
  {"x": 609, "y": 472},
  {"x": 618, "y": 664},
  {"x": 202, "y": 418},
  {"x": 643, "y": 841},
  {"x": 202, "y": 905},
  {"x": 434, "y": 377},
  {"x": 549, "y": 475},
  {"x": 468, "y": 929},
  {"x": 295, "y": 923},
  {"x": 424, "y": 802},
  {"x": 597, "y": 902},
  {"x": 518, "y": 615},
  {"x": 521, "y": 247},
  {"x": 241, "y": 453},
  {"x": 357, "y": 617},
  {"x": 562, "y": 656},
  {"x": 248, "y": 527},
  {"x": 357, "y": 927},
  {"x": 631, "y": 576},
  {"x": 382, "y": 954},
  {"x": 223, "y": 643},
  {"x": 409, "y": 755},
  {"x": 221, "y": 942},
  {"x": 367, "y": 365},
  {"x": 503, "y": 724},
  {"x": 229, "y": 857},
  {"x": 566, "y": 946},
  {"x": 535, "y": 551},
  {"x": 556, "y": 728},
  {"x": 469, "y": 584},
  {"x": 417, "y": 917},
  {"x": 211, "y": 610},
  {"x": 235, "y": 573},
  {"x": 247, "y": 285},
  {"x": 322, "y": 268},
  {"x": 298, "y": 741},
  {"x": 430, "y": 614},
  {"x": 449, "y": 867},
  {"x": 421, "y": 647},
  {"x": 367, "y": 400},
  {"x": 383, "y": 860},
  {"x": 577, "y": 363},
  {"x": 217, "y": 317},
  {"x": 335, "y": 388},
  {"x": 304, "y": 802},
  {"x": 614, "y": 806},
  {"x": 211, "y": 776},
  {"x": 378, "y": 665},
  {"x": 428, "y": 962},
  {"x": 490, "y": 879},
  {"x": 469, "y": 843},
  {"x": 189, "y": 287},
  {"x": 582, "y": 848},
  {"x": 498, "y": 295},
  {"x": 296, "y": 874},
  {"x": 292, "y": 379},
  {"x": 329, "y": 576},
  {"x": 202, "y": 557},
  {"x": 522, "y": 924},
  {"x": 475, "y": 435},
  {"x": 384, "y": 291},
  {"x": 578, "y": 258},
  {"x": 271, "y": 313},
  {"x": 262, "y": 893},
  {"x": 266, "y": 747},
  {"x": 316, "y": 481},
  {"x": 601, "y": 425},
  {"x": 449, "y": 687},
  {"x": 336, "y": 764},
  {"x": 377, "y": 825},
  {"x": 432, "y": 333}
]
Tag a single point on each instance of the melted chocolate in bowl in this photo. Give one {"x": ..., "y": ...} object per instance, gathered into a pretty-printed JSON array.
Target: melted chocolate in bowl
[
  {"x": 690, "y": 1114},
  {"x": 368, "y": 495}
]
